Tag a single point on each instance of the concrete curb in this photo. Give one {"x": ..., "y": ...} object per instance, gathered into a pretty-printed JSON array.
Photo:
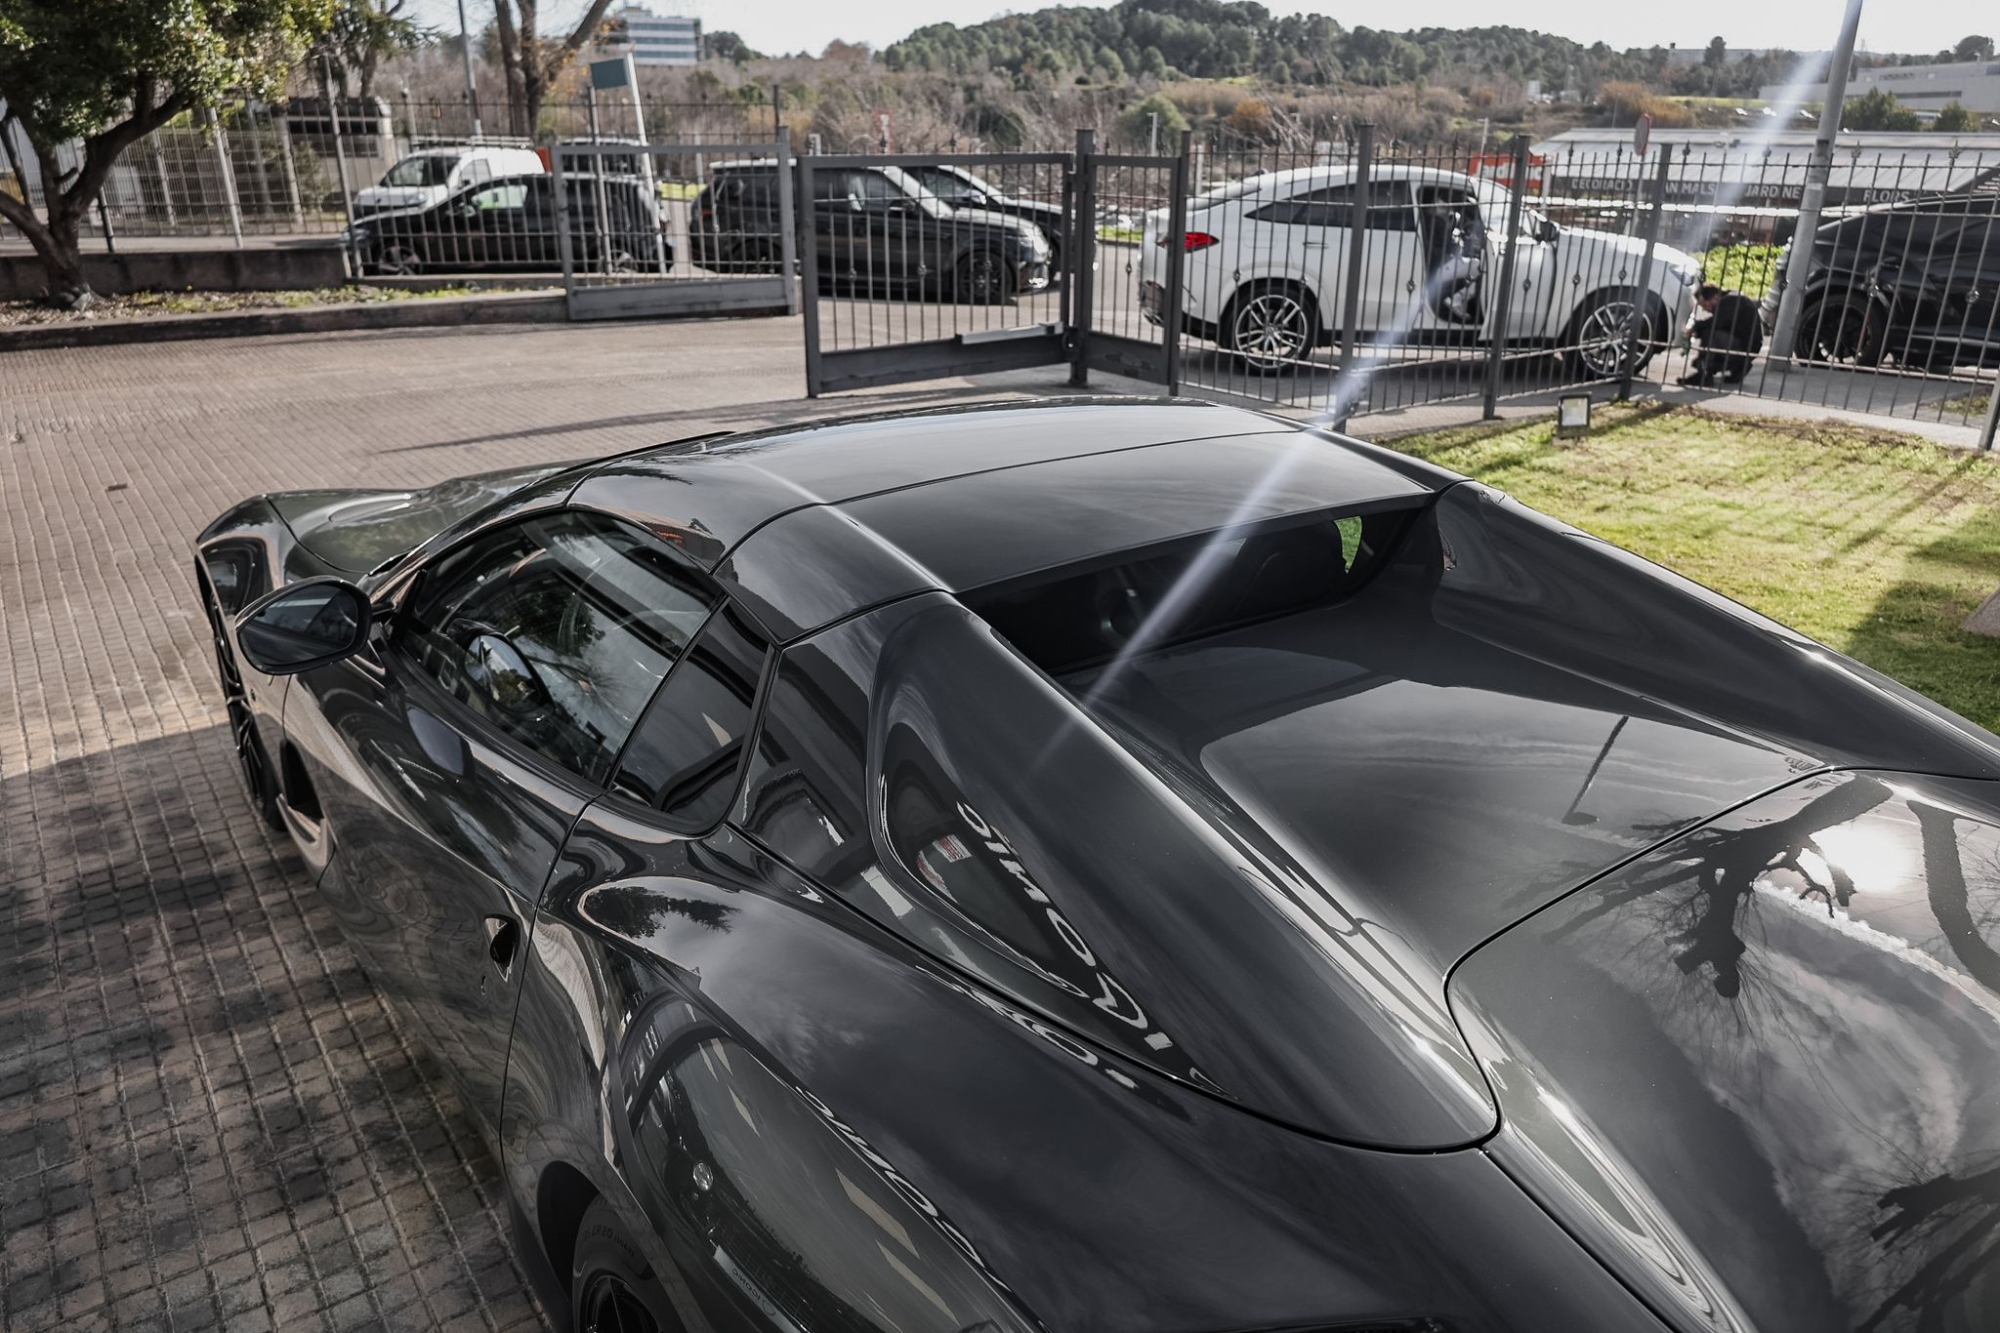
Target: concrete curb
[{"x": 442, "y": 312}]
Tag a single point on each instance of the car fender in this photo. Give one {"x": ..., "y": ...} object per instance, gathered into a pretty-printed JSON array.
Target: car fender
[{"x": 897, "y": 1109}]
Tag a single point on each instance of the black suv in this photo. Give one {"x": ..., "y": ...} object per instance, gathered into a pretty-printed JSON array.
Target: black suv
[
  {"x": 964, "y": 189},
  {"x": 1915, "y": 282},
  {"x": 874, "y": 227},
  {"x": 510, "y": 223}
]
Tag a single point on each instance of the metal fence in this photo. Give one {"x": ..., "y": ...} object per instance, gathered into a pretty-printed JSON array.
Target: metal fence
[
  {"x": 294, "y": 168},
  {"x": 921, "y": 266},
  {"x": 250, "y": 169},
  {"x": 673, "y": 228},
  {"x": 1346, "y": 281}
]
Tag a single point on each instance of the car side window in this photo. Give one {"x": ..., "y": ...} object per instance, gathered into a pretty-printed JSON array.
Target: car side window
[
  {"x": 1333, "y": 206},
  {"x": 805, "y": 796},
  {"x": 556, "y": 630},
  {"x": 506, "y": 196},
  {"x": 684, "y": 758}
]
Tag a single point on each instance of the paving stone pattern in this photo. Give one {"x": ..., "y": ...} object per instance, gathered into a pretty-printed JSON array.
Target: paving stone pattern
[{"x": 208, "y": 1116}]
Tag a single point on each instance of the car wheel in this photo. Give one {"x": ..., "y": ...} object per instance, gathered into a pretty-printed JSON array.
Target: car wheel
[
  {"x": 1604, "y": 340},
  {"x": 1842, "y": 330},
  {"x": 983, "y": 278},
  {"x": 397, "y": 260},
  {"x": 251, "y": 761},
  {"x": 613, "y": 1288},
  {"x": 1271, "y": 326}
]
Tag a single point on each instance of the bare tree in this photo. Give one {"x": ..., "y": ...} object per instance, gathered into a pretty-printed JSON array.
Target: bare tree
[{"x": 532, "y": 61}]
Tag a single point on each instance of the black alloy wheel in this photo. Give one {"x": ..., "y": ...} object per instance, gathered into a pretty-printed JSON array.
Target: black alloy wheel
[
  {"x": 1840, "y": 330},
  {"x": 608, "y": 1304},
  {"x": 258, "y": 780},
  {"x": 984, "y": 279},
  {"x": 613, "y": 1285}
]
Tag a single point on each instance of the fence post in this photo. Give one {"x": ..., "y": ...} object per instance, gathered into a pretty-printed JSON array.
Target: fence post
[
  {"x": 1357, "y": 246},
  {"x": 166, "y": 187},
  {"x": 808, "y": 232},
  {"x": 228, "y": 176},
  {"x": 284, "y": 123},
  {"x": 257, "y": 154},
  {"x": 1083, "y": 258},
  {"x": 1496, "y": 351},
  {"x": 1637, "y": 318},
  {"x": 788, "y": 232},
  {"x": 1170, "y": 314},
  {"x": 339, "y": 145},
  {"x": 560, "y": 188},
  {"x": 1992, "y": 426}
]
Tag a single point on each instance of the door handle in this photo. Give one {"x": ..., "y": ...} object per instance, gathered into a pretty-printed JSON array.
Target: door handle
[{"x": 503, "y": 940}]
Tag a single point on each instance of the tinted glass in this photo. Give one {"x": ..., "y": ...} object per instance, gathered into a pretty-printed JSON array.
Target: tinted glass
[
  {"x": 1193, "y": 589},
  {"x": 431, "y": 170},
  {"x": 506, "y": 195},
  {"x": 1333, "y": 206},
  {"x": 805, "y": 797},
  {"x": 684, "y": 758},
  {"x": 557, "y": 630}
]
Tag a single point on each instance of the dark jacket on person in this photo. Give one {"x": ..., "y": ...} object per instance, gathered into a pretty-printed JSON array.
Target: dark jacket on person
[{"x": 1734, "y": 325}]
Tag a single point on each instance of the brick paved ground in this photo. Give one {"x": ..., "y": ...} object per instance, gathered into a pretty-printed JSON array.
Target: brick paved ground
[{"x": 208, "y": 1118}]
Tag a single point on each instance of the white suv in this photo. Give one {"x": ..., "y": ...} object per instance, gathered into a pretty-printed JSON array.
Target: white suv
[{"x": 1267, "y": 258}]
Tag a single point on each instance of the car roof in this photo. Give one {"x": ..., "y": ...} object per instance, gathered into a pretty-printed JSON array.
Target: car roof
[{"x": 809, "y": 524}]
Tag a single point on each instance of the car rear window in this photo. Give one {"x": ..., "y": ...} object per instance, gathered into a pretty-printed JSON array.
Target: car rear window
[{"x": 1073, "y": 618}]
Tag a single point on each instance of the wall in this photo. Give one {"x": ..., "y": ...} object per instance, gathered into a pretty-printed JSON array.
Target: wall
[{"x": 264, "y": 268}]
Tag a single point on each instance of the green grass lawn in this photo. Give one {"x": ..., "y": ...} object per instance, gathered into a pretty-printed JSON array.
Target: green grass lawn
[{"x": 1877, "y": 544}]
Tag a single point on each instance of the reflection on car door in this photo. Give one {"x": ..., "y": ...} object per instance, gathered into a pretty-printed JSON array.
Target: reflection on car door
[
  {"x": 1310, "y": 236},
  {"x": 840, "y": 222},
  {"x": 498, "y": 236},
  {"x": 462, "y": 752}
]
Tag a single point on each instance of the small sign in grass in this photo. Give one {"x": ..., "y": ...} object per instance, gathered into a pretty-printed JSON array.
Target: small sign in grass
[{"x": 1877, "y": 544}]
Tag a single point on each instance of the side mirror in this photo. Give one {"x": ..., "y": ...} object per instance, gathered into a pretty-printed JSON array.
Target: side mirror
[
  {"x": 304, "y": 625},
  {"x": 1546, "y": 230},
  {"x": 508, "y": 680}
]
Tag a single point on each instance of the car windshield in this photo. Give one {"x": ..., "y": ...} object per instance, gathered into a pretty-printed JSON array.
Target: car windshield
[
  {"x": 957, "y": 180},
  {"x": 916, "y": 190},
  {"x": 430, "y": 169}
]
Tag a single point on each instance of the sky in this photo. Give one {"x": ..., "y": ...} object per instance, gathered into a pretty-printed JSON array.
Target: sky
[{"x": 785, "y": 26}]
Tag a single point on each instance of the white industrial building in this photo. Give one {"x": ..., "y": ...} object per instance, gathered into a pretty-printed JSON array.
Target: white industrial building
[
  {"x": 1974, "y": 84},
  {"x": 653, "y": 39}
]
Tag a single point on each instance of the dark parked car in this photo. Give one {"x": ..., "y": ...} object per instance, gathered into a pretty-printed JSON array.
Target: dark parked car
[
  {"x": 1915, "y": 282},
  {"x": 875, "y": 228},
  {"x": 962, "y": 188},
  {"x": 510, "y": 223},
  {"x": 1135, "y": 866}
]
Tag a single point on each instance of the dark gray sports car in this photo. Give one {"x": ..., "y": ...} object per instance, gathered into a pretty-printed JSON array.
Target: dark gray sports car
[{"x": 1135, "y": 866}]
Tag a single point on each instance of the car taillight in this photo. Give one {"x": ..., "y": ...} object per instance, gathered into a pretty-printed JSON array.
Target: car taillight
[{"x": 1194, "y": 240}]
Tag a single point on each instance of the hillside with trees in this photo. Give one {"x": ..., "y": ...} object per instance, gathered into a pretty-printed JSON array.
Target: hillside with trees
[{"x": 1234, "y": 39}]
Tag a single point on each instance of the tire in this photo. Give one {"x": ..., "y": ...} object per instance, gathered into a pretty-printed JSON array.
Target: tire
[
  {"x": 983, "y": 278},
  {"x": 1596, "y": 342},
  {"x": 253, "y": 761},
  {"x": 1844, "y": 329},
  {"x": 398, "y": 259},
  {"x": 1271, "y": 326},
  {"x": 613, "y": 1288}
]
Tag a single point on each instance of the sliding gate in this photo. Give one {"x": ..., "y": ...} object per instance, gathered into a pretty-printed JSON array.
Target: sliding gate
[
  {"x": 640, "y": 227},
  {"x": 921, "y": 267}
]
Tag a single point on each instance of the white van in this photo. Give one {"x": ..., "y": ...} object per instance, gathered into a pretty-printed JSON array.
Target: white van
[{"x": 428, "y": 177}]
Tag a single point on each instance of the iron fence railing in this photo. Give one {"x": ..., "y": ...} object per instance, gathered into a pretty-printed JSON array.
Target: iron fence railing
[{"x": 1337, "y": 278}]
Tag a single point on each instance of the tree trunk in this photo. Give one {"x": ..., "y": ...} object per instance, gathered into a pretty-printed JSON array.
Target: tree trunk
[{"x": 57, "y": 243}]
